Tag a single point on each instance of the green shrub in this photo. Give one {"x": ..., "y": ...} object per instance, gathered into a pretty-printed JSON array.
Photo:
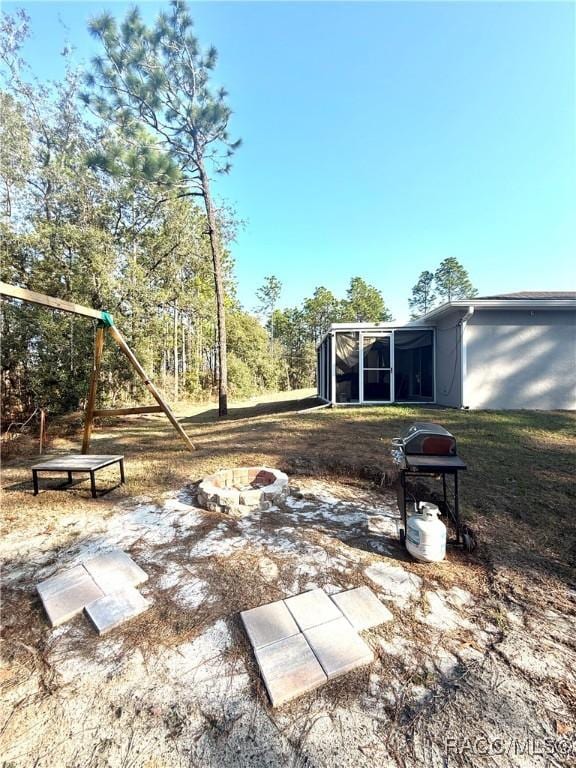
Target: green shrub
[{"x": 241, "y": 378}]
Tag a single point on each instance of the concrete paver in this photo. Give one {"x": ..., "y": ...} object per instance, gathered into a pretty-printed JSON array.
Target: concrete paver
[
  {"x": 312, "y": 608},
  {"x": 114, "y": 609},
  {"x": 268, "y": 624},
  {"x": 289, "y": 669},
  {"x": 362, "y": 608},
  {"x": 338, "y": 647},
  {"x": 66, "y": 594},
  {"x": 114, "y": 571}
]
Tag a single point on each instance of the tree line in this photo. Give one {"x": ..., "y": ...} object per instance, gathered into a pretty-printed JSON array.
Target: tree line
[
  {"x": 106, "y": 201},
  {"x": 295, "y": 331}
]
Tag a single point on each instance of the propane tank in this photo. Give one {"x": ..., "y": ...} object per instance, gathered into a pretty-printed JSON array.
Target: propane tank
[{"x": 426, "y": 534}]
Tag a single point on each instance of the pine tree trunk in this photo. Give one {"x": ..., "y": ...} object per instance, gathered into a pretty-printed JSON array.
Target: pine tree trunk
[
  {"x": 200, "y": 351},
  {"x": 219, "y": 289},
  {"x": 175, "y": 342},
  {"x": 183, "y": 355},
  {"x": 164, "y": 351},
  {"x": 190, "y": 337}
]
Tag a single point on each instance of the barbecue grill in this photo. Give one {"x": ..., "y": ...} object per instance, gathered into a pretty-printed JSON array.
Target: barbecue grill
[
  {"x": 426, "y": 439},
  {"x": 429, "y": 450}
]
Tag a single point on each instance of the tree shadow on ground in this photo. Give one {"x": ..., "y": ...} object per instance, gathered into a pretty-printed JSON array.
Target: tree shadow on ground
[
  {"x": 267, "y": 408},
  {"x": 517, "y": 494}
]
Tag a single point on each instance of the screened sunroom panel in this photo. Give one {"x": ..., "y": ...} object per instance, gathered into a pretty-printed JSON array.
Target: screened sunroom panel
[
  {"x": 414, "y": 366},
  {"x": 376, "y": 385},
  {"x": 328, "y": 343},
  {"x": 347, "y": 367},
  {"x": 376, "y": 352}
]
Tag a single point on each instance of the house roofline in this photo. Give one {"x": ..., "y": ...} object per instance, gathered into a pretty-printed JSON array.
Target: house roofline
[
  {"x": 464, "y": 304},
  {"x": 461, "y": 304}
]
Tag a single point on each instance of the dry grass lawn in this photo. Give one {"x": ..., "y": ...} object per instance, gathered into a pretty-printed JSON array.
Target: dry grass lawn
[{"x": 518, "y": 495}]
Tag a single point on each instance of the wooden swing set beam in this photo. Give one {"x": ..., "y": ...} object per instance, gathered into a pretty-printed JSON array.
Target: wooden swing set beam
[
  {"x": 23, "y": 294},
  {"x": 14, "y": 292}
]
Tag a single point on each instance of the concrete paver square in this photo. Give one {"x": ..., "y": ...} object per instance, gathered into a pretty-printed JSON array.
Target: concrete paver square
[
  {"x": 66, "y": 594},
  {"x": 289, "y": 669},
  {"x": 64, "y": 580},
  {"x": 114, "y": 571},
  {"x": 362, "y": 608},
  {"x": 114, "y": 609},
  {"x": 268, "y": 624},
  {"x": 312, "y": 608},
  {"x": 338, "y": 647}
]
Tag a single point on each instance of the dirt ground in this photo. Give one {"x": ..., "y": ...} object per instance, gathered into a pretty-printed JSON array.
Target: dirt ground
[{"x": 476, "y": 668}]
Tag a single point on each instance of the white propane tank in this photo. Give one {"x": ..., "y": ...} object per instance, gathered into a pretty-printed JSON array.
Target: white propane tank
[{"x": 426, "y": 534}]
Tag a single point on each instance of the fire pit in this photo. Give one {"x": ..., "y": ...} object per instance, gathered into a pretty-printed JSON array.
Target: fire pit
[{"x": 240, "y": 491}]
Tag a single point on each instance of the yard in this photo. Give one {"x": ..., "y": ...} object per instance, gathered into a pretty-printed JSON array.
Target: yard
[{"x": 481, "y": 647}]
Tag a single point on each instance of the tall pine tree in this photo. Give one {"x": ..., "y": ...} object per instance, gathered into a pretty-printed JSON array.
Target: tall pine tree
[
  {"x": 364, "y": 303},
  {"x": 423, "y": 295},
  {"x": 453, "y": 281},
  {"x": 320, "y": 310},
  {"x": 159, "y": 78},
  {"x": 268, "y": 295}
]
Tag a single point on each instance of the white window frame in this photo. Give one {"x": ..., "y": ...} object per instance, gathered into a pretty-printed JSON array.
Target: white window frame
[
  {"x": 375, "y": 335},
  {"x": 333, "y": 367},
  {"x": 321, "y": 371}
]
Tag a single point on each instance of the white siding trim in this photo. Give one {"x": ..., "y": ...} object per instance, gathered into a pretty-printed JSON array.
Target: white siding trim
[
  {"x": 333, "y": 361},
  {"x": 464, "y": 355}
]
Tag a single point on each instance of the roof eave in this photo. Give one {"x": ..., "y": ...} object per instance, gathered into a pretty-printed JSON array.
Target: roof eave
[{"x": 495, "y": 304}]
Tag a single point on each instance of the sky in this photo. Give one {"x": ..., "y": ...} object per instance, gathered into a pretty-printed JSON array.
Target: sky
[{"x": 382, "y": 137}]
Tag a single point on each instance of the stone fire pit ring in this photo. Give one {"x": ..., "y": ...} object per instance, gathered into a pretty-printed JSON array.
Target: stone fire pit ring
[{"x": 242, "y": 490}]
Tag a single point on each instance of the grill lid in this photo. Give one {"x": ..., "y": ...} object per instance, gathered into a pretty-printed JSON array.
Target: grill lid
[{"x": 426, "y": 438}]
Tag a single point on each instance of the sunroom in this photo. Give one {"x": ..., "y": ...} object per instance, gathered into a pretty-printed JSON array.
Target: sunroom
[{"x": 374, "y": 364}]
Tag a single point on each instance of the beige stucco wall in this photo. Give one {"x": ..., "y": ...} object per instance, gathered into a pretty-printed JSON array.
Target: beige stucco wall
[{"x": 521, "y": 359}]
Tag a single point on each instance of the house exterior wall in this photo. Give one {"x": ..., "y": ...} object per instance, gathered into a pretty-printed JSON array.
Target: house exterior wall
[
  {"x": 449, "y": 360},
  {"x": 520, "y": 359}
]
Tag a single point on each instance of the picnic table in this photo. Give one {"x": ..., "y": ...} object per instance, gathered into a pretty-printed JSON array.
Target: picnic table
[{"x": 83, "y": 463}]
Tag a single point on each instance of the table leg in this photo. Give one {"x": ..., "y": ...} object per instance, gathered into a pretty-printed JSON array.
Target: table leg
[
  {"x": 69, "y": 478},
  {"x": 93, "y": 483},
  {"x": 404, "y": 515},
  {"x": 35, "y": 481},
  {"x": 456, "y": 508},
  {"x": 122, "y": 475}
]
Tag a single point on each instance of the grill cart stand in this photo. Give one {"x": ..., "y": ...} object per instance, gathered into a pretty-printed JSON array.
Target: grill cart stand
[{"x": 433, "y": 466}]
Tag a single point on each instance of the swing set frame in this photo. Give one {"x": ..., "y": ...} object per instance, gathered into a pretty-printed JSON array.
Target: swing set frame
[{"x": 105, "y": 326}]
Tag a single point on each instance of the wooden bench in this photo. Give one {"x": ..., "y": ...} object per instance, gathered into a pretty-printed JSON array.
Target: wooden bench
[{"x": 79, "y": 464}]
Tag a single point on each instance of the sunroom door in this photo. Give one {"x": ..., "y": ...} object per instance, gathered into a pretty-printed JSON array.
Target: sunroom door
[{"x": 377, "y": 368}]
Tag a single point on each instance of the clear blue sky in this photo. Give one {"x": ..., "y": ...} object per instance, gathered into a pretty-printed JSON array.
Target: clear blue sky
[{"x": 381, "y": 137}]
